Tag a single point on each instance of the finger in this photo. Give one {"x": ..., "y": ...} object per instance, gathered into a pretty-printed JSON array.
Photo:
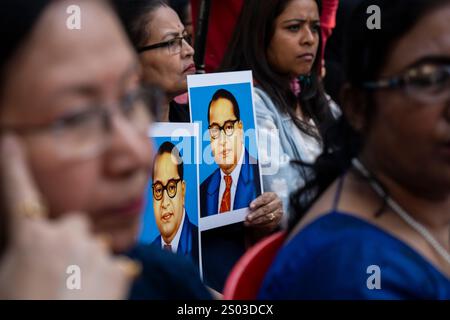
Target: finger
[
  {"x": 105, "y": 241},
  {"x": 263, "y": 211},
  {"x": 271, "y": 220},
  {"x": 273, "y": 216},
  {"x": 74, "y": 223},
  {"x": 263, "y": 222},
  {"x": 117, "y": 276},
  {"x": 130, "y": 268},
  {"x": 262, "y": 200},
  {"x": 21, "y": 195}
]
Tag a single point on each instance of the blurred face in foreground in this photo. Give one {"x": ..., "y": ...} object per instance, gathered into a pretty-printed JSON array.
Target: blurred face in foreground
[
  {"x": 409, "y": 136},
  {"x": 73, "y": 97}
]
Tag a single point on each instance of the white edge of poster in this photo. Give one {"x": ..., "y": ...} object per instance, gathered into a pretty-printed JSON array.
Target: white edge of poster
[
  {"x": 173, "y": 129},
  {"x": 223, "y": 219}
]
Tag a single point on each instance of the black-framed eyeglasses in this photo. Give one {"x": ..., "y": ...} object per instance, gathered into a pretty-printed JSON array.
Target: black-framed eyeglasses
[
  {"x": 429, "y": 83},
  {"x": 170, "y": 187},
  {"x": 227, "y": 128},
  {"x": 173, "y": 45}
]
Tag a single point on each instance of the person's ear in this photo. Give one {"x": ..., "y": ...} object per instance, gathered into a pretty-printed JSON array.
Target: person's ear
[
  {"x": 354, "y": 107},
  {"x": 240, "y": 125}
]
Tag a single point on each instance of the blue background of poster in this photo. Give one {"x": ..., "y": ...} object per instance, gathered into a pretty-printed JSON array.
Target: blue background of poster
[{"x": 200, "y": 98}]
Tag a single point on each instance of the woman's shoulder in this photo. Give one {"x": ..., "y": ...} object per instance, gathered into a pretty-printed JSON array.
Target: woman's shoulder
[
  {"x": 339, "y": 231},
  {"x": 165, "y": 276},
  {"x": 339, "y": 256},
  {"x": 263, "y": 102}
]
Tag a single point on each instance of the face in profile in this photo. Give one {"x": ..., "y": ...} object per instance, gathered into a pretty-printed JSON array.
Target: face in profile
[
  {"x": 63, "y": 82},
  {"x": 226, "y": 134},
  {"x": 295, "y": 41},
  {"x": 168, "y": 195},
  {"x": 411, "y": 125},
  {"x": 168, "y": 66}
]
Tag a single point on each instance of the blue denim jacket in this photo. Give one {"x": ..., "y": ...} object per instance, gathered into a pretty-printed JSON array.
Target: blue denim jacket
[{"x": 280, "y": 142}]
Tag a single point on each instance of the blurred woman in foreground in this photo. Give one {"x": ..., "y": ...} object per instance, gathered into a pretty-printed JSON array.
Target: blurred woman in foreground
[
  {"x": 73, "y": 99},
  {"x": 379, "y": 227}
]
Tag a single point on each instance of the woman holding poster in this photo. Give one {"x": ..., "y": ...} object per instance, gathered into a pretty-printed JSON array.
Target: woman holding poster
[
  {"x": 167, "y": 61},
  {"x": 291, "y": 108}
]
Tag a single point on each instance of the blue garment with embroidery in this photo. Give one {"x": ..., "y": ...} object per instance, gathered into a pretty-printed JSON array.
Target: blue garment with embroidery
[{"x": 338, "y": 256}]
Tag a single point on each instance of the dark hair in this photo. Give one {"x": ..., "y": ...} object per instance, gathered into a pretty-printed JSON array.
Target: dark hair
[
  {"x": 17, "y": 18},
  {"x": 180, "y": 7},
  {"x": 169, "y": 147},
  {"x": 225, "y": 94},
  {"x": 366, "y": 52},
  {"x": 135, "y": 16},
  {"x": 248, "y": 49}
]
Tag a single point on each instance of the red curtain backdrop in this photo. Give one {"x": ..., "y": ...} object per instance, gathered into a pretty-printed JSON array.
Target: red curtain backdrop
[{"x": 222, "y": 19}]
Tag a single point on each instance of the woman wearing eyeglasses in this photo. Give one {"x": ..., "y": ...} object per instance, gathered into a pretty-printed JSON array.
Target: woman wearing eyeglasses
[
  {"x": 379, "y": 227},
  {"x": 164, "y": 49},
  {"x": 72, "y": 99},
  {"x": 167, "y": 58}
]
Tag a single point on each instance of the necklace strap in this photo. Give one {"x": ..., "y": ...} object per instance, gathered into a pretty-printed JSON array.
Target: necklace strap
[{"x": 405, "y": 216}]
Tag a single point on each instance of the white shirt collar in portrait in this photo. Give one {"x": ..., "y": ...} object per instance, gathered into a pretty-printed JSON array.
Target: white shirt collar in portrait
[
  {"x": 176, "y": 239},
  {"x": 235, "y": 177}
]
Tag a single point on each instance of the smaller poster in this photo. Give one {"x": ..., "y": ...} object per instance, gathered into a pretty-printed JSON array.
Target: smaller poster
[{"x": 171, "y": 216}]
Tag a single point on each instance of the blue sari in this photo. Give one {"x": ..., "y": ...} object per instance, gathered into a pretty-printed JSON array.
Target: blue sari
[{"x": 340, "y": 256}]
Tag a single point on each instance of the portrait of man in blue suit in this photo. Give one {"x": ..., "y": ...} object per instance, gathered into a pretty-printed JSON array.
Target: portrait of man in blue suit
[
  {"x": 236, "y": 182},
  {"x": 177, "y": 233}
]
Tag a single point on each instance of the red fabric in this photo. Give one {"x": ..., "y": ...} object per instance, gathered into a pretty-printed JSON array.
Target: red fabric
[
  {"x": 246, "y": 277},
  {"x": 222, "y": 20},
  {"x": 328, "y": 16},
  {"x": 225, "y": 205},
  {"x": 328, "y": 21}
]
